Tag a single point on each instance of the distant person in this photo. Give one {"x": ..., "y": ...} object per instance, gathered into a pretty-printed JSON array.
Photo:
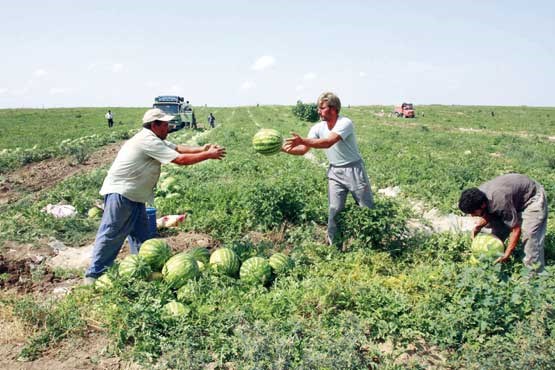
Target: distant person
[
  {"x": 129, "y": 185},
  {"x": 492, "y": 113},
  {"x": 346, "y": 172},
  {"x": 514, "y": 205},
  {"x": 110, "y": 118},
  {"x": 211, "y": 120},
  {"x": 188, "y": 106}
]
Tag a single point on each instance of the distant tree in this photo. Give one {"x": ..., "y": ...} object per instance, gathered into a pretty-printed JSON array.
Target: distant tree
[{"x": 306, "y": 112}]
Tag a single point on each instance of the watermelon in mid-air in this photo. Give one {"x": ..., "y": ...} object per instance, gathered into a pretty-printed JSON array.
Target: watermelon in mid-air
[{"x": 267, "y": 141}]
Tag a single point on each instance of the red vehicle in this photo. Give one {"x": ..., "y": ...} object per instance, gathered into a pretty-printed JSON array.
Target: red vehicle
[{"x": 405, "y": 110}]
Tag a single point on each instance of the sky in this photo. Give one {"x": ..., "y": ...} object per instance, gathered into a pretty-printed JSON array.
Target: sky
[{"x": 239, "y": 53}]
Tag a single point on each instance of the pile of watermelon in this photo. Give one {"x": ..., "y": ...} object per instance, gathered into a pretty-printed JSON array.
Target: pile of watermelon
[{"x": 179, "y": 271}]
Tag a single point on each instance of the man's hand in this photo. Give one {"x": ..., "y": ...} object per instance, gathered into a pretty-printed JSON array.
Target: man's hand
[
  {"x": 205, "y": 147},
  {"x": 216, "y": 151},
  {"x": 293, "y": 141},
  {"x": 504, "y": 258}
]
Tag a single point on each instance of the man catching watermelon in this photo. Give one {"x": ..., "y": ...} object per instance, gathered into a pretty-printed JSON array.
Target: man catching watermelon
[
  {"x": 130, "y": 184},
  {"x": 346, "y": 172},
  {"x": 514, "y": 205}
]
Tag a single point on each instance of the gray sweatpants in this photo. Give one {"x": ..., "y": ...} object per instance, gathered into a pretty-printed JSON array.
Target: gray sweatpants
[
  {"x": 342, "y": 180},
  {"x": 534, "y": 228}
]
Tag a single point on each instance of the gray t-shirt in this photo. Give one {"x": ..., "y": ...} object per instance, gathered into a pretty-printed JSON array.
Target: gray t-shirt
[
  {"x": 344, "y": 151},
  {"x": 508, "y": 196}
]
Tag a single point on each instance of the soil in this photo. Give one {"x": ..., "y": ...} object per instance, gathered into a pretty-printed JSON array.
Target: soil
[{"x": 39, "y": 176}]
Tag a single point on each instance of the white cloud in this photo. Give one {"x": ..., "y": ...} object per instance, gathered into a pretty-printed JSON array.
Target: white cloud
[
  {"x": 362, "y": 74},
  {"x": 3, "y": 90},
  {"x": 309, "y": 76},
  {"x": 247, "y": 85},
  {"x": 40, "y": 73},
  {"x": 299, "y": 87},
  {"x": 263, "y": 62},
  {"x": 117, "y": 67},
  {"x": 91, "y": 67},
  {"x": 59, "y": 90}
]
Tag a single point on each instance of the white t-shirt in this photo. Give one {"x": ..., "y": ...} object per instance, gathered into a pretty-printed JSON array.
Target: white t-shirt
[
  {"x": 136, "y": 169},
  {"x": 343, "y": 152},
  {"x": 108, "y": 115}
]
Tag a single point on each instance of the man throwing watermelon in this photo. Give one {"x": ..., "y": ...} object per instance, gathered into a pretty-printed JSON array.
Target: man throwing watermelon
[
  {"x": 346, "y": 172},
  {"x": 130, "y": 183},
  {"x": 514, "y": 205}
]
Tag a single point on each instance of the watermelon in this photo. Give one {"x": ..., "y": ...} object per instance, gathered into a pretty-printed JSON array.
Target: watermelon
[
  {"x": 156, "y": 252},
  {"x": 225, "y": 261},
  {"x": 201, "y": 254},
  {"x": 188, "y": 293},
  {"x": 179, "y": 269},
  {"x": 280, "y": 263},
  {"x": 135, "y": 267},
  {"x": 175, "y": 309},
  {"x": 486, "y": 246},
  {"x": 267, "y": 141},
  {"x": 256, "y": 270},
  {"x": 94, "y": 212},
  {"x": 103, "y": 282}
]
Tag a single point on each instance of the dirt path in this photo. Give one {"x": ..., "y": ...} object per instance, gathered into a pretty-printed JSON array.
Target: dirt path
[{"x": 39, "y": 176}]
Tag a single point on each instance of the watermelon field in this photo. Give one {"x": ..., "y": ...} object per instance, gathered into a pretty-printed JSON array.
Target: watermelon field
[{"x": 398, "y": 296}]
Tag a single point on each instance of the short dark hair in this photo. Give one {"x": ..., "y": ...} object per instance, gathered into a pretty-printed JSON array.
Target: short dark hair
[{"x": 471, "y": 200}]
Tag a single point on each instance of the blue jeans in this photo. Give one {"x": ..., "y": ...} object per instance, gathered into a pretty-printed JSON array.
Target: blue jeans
[{"x": 122, "y": 218}]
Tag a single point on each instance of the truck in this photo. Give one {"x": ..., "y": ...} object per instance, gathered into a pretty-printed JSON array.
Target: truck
[
  {"x": 405, "y": 110},
  {"x": 183, "y": 113}
]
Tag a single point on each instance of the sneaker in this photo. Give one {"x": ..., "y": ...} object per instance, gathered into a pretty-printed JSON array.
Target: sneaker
[{"x": 89, "y": 280}]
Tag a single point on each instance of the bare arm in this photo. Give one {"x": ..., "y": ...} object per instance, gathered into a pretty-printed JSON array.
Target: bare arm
[
  {"x": 482, "y": 221},
  {"x": 212, "y": 152},
  {"x": 513, "y": 240},
  {"x": 297, "y": 145}
]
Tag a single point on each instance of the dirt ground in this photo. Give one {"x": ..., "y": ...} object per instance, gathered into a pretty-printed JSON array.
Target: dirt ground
[{"x": 39, "y": 176}]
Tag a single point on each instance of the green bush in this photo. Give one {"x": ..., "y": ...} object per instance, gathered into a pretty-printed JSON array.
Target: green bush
[{"x": 306, "y": 112}]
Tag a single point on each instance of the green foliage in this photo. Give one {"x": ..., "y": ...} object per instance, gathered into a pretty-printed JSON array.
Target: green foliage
[
  {"x": 330, "y": 309},
  {"x": 306, "y": 112},
  {"x": 383, "y": 226}
]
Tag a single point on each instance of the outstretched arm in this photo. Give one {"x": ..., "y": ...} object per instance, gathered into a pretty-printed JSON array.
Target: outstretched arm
[
  {"x": 298, "y": 145},
  {"x": 212, "y": 152}
]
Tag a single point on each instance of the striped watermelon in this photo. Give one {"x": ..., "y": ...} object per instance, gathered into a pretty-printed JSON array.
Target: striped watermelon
[
  {"x": 135, "y": 267},
  {"x": 103, "y": 282},
  {"x": 267, "y": 141},
  {"x": 175, "y": 309},
  {"x": 201, "y": 254},
  {"x": 486, "y": 246},
  {"x": 156, "y": 252},
  {"x": 179, "y": 269},
  {"x": 280, "y": 263},
  {"x": 188, "y": 293},
  {"x": 256, "y": 270},
  {"x": 225, "y": 261}
]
